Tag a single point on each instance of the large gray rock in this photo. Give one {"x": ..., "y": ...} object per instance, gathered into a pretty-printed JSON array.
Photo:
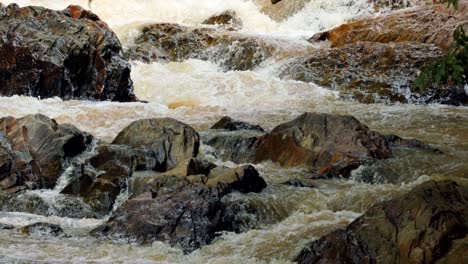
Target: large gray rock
[
  {"x": 70, "y": 54},
  {"x": 424, "y": 226},
  {"x": 161, "y": 143},
  {"x": 34, "y": 148}
]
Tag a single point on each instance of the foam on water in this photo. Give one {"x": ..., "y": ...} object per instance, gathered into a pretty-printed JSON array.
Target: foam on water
[
  {"x": 199, "y": 93},
  {"x": 125, "y": 16}
]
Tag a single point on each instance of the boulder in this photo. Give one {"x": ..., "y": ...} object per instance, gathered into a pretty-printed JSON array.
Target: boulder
[
  {"x": 188, "y": 218},
  {"x": 34, "y": 149},
  {"x": 426, "y": 225},
  {"x": 375, "y": 72},
  {"x": 431, "y": 24},
  {"x": 173, "y": 42},
  {"x": 71, "y": 54},
  {"x": 331, "y": 145},
  {"x": 161, "y": 143},
  {"x": 179, "y": 210},
  {"x": 227, "y": 18},
  {"x": 230, "y": 124},
  {"x": 104, "y": 177}
]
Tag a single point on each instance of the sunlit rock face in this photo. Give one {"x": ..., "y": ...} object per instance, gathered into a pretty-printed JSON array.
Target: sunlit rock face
[
  {"x": 71, "y": 54},
  {"x": 427, "y": 24}
]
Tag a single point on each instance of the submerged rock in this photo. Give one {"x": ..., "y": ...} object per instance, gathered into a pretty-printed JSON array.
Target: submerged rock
[
  {"x": 70, "y": 54},
  {"x": 423, "y": 226},
  {"x": 34, "y": 148},
  {"x": 161, "y": 144},
  {"x": 104, "y": 177},
  {"x": 330, "y": 145},
  {"x": 173, "y": 42},
  {"x": 227, "y": 18},
  {"x": 43, "y": 229},
  {"x": 230, "y": 124}
]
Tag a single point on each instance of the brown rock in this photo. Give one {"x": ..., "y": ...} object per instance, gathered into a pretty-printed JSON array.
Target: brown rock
[
  {"x": 433, "y": 24},
  {"x": 331, "y": 145},
  {"x": 228, "y": 18},
  {"x": 230, "y": 124},
  {"x": 100, "y": 185},
  {"x": 373, "y": 72},
  {"x": 244, "y": 179},
  {"x": 161, "y": 143},
  {"x": 424, "y": 226},
  {"x": 34, "y": 148},
  {"x": 71, "y": 54}
]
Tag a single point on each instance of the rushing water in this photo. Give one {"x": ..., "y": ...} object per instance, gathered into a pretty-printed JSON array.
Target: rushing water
[{"x": 199, "y": 93}]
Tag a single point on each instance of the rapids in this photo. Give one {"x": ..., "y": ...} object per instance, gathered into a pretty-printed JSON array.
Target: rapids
[{"x": 199, "y": 93}]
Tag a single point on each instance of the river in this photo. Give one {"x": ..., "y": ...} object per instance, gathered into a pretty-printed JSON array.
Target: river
[{"x": 200, "y": 93}]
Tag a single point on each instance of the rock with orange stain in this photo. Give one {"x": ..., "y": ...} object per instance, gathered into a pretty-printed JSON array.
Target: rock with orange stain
[
  {"x": 70, "y": 54},
  {"x": 431, "y": 24},
  {"x": 331, "y": 145},
  {"x": 427, "y": 225}
]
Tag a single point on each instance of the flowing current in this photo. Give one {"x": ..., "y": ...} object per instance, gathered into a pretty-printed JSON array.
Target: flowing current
[{"x": 199, "y": 93}]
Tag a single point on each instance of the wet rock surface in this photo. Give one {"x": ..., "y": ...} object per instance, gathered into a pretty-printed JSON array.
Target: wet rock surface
[
  {"x": 34, "y": 148},
  {"x": 432, "y": 24},
  {"x": 227, "y": 18},
  {"x": 230, "y": 124},
  {"x": 46, "y": 205},
  {"x": 161, "y": 144},
  {"x": 71, "y": 54},
  {"x": 423, "y": 226},
  {"x": 236, "y": 146},
  {"x": 375, "y": 73},
  {"x": 189, "y": 218},
  {"x": 175, "y": 208},
  {"x": 244, "y": 179},
  {"x": 377, "y": 59},
  {"x": 331, "y": 145},
  {"x": 104, "y": 177},
  {"x": 173, "y": 42}
]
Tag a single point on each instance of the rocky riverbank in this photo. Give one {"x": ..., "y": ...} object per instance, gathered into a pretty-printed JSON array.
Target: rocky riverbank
[{"x": 358, "y": 170}]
